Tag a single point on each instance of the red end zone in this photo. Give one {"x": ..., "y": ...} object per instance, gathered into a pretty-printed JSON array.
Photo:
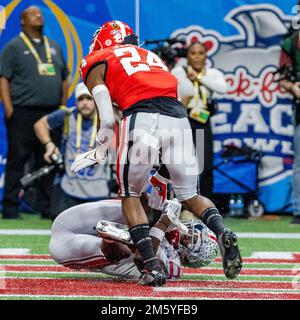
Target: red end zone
[
  {"x": 61, "y": 282},
  {"x": 182, "y": 289}
]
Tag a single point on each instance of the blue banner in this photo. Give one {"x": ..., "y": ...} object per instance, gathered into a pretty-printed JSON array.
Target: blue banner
[{"x": 243, "y": 39}]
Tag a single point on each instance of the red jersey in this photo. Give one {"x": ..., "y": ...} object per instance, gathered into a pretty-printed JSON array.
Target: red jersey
[{"x": 132, "y": 74}]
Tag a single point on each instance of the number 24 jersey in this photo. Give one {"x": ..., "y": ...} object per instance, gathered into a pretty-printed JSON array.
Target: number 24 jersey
[{"x": 132, "y": 74}]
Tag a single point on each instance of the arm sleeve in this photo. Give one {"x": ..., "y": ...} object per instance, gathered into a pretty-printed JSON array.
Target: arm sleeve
[
  {"x": 7, "y": 62},
  {"x": 214, "y": 80},
  {"x": 56, "y": 119},
  {"x": 106, "y": 114}
]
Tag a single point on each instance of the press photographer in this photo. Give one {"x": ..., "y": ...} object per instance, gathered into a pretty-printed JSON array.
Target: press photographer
[
  {"x": 79, "y": 135},
  {"x": 57, "y": 165},
  {"x": 290, "y": 81}
]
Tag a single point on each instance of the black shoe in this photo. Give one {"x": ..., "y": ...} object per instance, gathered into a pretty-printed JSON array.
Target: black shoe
[
  {"x": 296, "y": 220},
  {"x": 232, "y": 260},
  {"x": 153, "y": 274}
]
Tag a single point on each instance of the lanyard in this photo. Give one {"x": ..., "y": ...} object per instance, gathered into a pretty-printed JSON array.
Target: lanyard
[
  {"x": 34, "y": 52},
  {"x": 79, "y": 129},
  {"x": 198, "y": 88}
]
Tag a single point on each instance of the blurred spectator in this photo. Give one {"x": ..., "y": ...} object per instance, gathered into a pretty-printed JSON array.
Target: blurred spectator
[
  {"x": 80, "y": 129},
  {"x": 290, "y": 66},
  {"x": 33, "y": 83},
  {"x": 196, "y": 85}
]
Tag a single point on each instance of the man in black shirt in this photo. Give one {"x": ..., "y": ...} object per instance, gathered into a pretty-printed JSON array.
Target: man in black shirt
[{"x": 33, "y": 83}]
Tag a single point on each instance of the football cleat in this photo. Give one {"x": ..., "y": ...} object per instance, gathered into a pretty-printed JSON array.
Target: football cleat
[
  {"x": 232, "y": 260},
  {"x": 113, "y": 231},
  {"x": 153, "y": 278},
  {"x": 153, "y": 274}
]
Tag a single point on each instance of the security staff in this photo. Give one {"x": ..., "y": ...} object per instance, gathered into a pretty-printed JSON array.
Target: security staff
[{"x": 33, "y": 83}]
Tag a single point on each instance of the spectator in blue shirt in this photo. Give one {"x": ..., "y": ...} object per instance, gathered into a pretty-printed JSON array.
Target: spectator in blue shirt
[{"x": 79, "y": 135}]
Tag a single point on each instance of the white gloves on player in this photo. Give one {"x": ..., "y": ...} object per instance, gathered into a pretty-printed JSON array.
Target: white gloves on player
[
  {"x": 172, "y": 209},
  {"x": 87, "y": 159}
]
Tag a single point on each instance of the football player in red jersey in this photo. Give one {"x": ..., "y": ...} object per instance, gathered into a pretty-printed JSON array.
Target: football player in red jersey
[{"x": 154, "y": 129}]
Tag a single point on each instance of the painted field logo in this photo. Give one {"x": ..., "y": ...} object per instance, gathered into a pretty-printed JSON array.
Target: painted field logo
[{"x": 2, "y": 278}]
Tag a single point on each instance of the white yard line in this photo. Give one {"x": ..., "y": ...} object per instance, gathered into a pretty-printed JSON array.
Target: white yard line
[
  {"x": 6, "y": 260},
  {"x": 240, "y": 276},
  {"x": 45, "y": 272},
  {"x": 14, "y": 251},
  {"x": 218, "y": 289},
  {"x": 296, "y": 268},
  {"x": 268, "y": 235},
  {"x": 255, "y": 235},
  {"x": 272, "y": 255},
  {"x": 25, "y": 232},
  {"x": 201, "y": 276}
]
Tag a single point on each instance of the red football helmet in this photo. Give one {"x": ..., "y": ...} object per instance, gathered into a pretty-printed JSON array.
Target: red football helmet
[{"x": 110, "y": 34}]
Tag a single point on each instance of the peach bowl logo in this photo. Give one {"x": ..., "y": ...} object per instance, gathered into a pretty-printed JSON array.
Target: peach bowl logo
[
  {"x": 254, "y": 111},
  {"x": 249, "y": 58}
]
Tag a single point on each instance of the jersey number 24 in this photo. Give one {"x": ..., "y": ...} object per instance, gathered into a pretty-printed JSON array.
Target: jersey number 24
[{"x": 134, "y": 63}]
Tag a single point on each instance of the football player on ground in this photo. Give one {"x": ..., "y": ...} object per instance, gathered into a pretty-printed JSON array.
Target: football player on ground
[
  {"x": 145, "y": 91},
  {"x": 93, "y": 236}
]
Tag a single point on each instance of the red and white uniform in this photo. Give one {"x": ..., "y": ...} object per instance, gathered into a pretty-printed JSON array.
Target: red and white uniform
[
  {"x": 127, "y": 74},
  {"x": 74, "y": 241},
  {"x": 146, "y": 92}
]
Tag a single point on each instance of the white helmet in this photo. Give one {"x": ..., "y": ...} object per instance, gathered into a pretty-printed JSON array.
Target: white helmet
[{"x": 198, "y": 247}]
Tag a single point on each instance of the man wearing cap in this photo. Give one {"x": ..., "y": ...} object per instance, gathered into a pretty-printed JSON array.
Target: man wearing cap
[{"x": 79, "y": 135}]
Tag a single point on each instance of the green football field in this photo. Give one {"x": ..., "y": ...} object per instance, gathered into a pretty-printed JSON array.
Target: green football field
[
  {"x": 271, "y": 268},
  {"x": 39, "y": 244}
]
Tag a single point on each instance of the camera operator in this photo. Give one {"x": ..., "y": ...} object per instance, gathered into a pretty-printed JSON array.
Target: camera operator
[
  {"x": 79, "y": 135},
  {"x": 196, "y": 85},
  {"x": 290, "y": 67}
]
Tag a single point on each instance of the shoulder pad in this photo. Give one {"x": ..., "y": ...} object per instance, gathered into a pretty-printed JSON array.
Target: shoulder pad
[{"x": 88, "y": 62}]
